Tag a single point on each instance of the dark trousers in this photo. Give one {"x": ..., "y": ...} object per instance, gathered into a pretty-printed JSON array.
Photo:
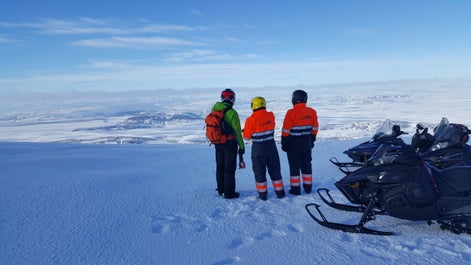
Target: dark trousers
[
  {"x": 300, "y": 162},
  {"x": 226, "y": 163},
  {"x": 265, "y": 157}
]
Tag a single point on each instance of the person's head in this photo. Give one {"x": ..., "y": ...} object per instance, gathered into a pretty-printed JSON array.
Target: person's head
[
  {"x": 228, "y": 96},
  {"x": 258, "y": 103},
  {"x": 299, "y": 96}
]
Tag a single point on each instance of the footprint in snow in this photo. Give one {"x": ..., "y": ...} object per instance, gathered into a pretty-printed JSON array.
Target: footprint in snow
[
  {"x": 240, "y": 242},
  {"x": 176, "y": 223}
]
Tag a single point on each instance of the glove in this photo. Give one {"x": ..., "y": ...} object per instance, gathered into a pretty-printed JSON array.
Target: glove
[
  {"x": 313, "y": 139},
  {"x": 241, "y": 151},
  {"x": 284, "y": 144}
]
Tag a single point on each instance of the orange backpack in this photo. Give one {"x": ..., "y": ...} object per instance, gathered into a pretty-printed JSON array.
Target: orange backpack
[{"x": 215, "y": 127}]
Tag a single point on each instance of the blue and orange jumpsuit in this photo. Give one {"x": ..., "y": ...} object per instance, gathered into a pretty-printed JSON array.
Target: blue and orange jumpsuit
[
  {"x": 298, "y": 134},
  {"x": 260, "y": 128}
]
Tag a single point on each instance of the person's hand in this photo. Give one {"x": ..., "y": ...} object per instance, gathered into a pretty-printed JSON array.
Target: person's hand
[
  {"x": 284, "y": 144},
  {"x": 313, "y": 139}
]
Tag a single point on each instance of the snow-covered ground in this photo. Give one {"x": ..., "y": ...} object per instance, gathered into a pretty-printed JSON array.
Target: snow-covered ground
[{"x": 155, "y": 203}]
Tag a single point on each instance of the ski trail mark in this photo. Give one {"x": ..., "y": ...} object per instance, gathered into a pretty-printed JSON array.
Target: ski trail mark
[
  {"x": 296, "y": 228},
  {"x": 228, "y": 261}
]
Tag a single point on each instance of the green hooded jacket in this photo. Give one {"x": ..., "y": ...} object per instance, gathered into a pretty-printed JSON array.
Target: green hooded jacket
[{"x": 232, "y": 118}]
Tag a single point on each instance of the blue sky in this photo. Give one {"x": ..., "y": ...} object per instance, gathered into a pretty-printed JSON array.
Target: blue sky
[{"x": 128, "y": 45}]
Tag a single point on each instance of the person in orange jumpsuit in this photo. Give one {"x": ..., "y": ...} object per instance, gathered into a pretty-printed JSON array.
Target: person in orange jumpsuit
[
  {"x": 260, "y": 128},
  {"x": 298, "y": 135}
]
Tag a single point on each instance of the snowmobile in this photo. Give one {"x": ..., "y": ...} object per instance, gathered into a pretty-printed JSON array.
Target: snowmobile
[
  {"x": 363, "y": 151},
  {"x": 450, "y": 146},
  {"x": 446, "y": 148},
  {"x": 400, "y": 182}
]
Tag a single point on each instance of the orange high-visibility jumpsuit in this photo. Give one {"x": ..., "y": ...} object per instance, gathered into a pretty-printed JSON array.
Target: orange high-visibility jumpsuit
[
  {"x": 260, "y": 128},
  {"x": 299, "y": 131}
]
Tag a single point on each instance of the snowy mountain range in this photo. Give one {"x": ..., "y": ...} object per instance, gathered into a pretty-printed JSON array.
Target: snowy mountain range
[{"x": 346, "y": 111}]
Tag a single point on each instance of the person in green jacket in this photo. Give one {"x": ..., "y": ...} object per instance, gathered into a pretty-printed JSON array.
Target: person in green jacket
[{"x": 226, "y": 154}]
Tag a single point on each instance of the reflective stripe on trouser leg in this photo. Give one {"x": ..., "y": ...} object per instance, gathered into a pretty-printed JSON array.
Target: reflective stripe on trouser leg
[
  {"x": 278, "y": 185},
  {"x": 261, "y": 186},
  {"x": 307, "y": 179},
  {"x": 307, "y": 183},
  {"x": 294, "y": 181}
]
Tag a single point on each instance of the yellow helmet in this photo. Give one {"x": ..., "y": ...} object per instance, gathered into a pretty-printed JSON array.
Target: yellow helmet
[{"x": 258, "y": 102}]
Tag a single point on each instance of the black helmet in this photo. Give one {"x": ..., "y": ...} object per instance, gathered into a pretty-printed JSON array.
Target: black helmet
[
  {"x": 299, "y": 96},
  {"x": 228, "y": 95}
]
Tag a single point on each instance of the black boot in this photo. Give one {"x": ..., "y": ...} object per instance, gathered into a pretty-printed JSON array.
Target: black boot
[
  {"x": 232, "y": 196},
  {"x": 295, "y": 190},
  {"x": 280, "y": 194},
  {"x": 307, "y": 188},
  {"x": 263, "y": 195}
]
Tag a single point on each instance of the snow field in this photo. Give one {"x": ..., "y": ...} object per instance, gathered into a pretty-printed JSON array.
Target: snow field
[{"x": 156, "y": 204}]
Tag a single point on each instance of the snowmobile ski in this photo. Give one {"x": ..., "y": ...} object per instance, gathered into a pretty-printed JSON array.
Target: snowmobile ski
[
  {"x": 456, "y": 226},
  {"x": 358, "y": 228},
  {"x": 344, "y": 207}
]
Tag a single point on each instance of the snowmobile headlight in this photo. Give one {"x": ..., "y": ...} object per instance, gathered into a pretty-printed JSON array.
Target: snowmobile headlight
[{"x": 355, "y": 185}]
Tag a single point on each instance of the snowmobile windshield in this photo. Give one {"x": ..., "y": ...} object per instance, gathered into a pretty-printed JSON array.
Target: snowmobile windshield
[
  {"x": 449, "y": 135},
  {"x": 387, "y": 131},
  {"x": 385, "y": 128},
  {"x": 442, "y": 131},
  {"x": 394, "y": 152}
]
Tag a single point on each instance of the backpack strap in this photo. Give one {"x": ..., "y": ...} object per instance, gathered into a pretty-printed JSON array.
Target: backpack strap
[{"x": 229, "y": 136}]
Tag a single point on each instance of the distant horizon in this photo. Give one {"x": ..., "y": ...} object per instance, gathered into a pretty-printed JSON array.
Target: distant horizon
[
  {"x": 461, "y": 79},
  {"x": 346, "y": 111}
]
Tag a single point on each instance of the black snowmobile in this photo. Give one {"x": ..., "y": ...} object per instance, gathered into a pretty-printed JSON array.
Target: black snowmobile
[
  {"x": 363, "y": 151},
  {"x": 400, "y": 182},
  {"x": 449, "y": 147},
  {"x": 446, "y": 148}
]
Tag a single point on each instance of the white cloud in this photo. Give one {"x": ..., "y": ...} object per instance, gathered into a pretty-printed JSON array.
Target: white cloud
[
  {"x": 198, "y": 55},
  {"x": 134, "y": 42},
  {"x": 233, "y": 39},
  {"x": 106, "y": 65},
  {"x": 196, "y": 12},
  {"x": 6, "y": 40},
  {"x": 85, "y": 25},
  {"x": 167, "y": 28},
  {"x": 129, "y": 77},
  {"x": 79, "y": 26}
]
